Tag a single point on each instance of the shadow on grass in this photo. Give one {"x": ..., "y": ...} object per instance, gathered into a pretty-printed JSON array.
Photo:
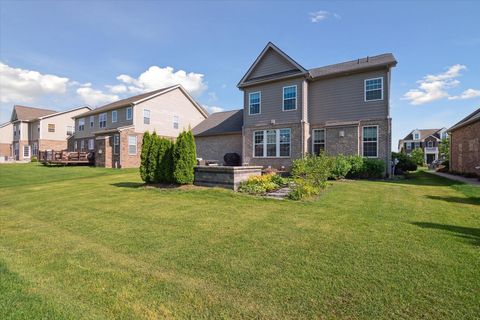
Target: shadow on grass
[
  {"x": 423, "y": 178},
  {"x": 470, "y": 234},
  {"x": 129, "y": 184},
  {"x": 468, "y": 200},
  {"x": 136, "y": 185}
]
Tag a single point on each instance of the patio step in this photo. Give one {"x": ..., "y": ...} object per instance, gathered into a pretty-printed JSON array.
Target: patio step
[{"x": 279, "y": 194}]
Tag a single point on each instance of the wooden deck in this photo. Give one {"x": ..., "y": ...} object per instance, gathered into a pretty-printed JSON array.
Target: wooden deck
[{"x": 63, "y": 157}]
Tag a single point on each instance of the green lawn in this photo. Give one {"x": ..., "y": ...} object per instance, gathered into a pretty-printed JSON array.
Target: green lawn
[{"x": 93, "y": 243}]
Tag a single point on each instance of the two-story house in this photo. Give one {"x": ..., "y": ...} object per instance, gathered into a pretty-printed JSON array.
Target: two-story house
[
  {"x": 6, "y": 138},
  {"x": 289, "y": 111},
  {"x": 428, "y": 140},
  {"x": 36, "y": 129},
  {"x": 115, "y": 131}
]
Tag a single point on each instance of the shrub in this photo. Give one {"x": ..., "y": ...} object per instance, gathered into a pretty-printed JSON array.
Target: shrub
[
  {"x": 373, "y": 168},
  {"x": 356, "y": 165},
  {"x": 444, "y": 148},
  {"x": 260, "y": 184},
  {"x": 418, "y": 156},
  {"x": 405, "y": 163},
  {"x": 340, "y": 167},
  {"x": 165, "y": 161},
  {"x": 144, "y": 157},
  {"x": 184, "y": 158},
  {"x": 33, "y": 159},
  {"x": 152, "y": 161},
  {"x": 310, "y": 175}
]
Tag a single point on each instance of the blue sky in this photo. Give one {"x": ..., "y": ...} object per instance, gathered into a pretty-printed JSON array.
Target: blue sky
[{"x": 63, "y": 54}]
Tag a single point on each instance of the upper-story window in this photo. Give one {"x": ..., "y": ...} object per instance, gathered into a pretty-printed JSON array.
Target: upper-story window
[
  {"x": 430, "y": 144},
  {"x": 102, "y": 120},
  {"x": 92, "y": 121},
  {"x": 175, "y": 122},
  {"x": 416, "y": 136},
  {"x": 146, "y": 116},
  {"x": 408, "y": 145},
  {"x": 370, "y": 141},
  {"x": 69, "y": 130},
  {"x": 129, "y": 114},
  {"x": 254, "y": 102},
  {"x": 81, "y": 124},
  {"x": 417, "y": 145},
  {"x": 374, "y": 89},
  {"x": 289, "y": 98},
  {"x": 51, "y": 127},
  {"x": 114, "y": 116},
  {"x": 318, "y": 141}
]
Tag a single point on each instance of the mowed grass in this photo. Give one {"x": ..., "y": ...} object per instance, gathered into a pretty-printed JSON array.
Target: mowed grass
[{"x": 89, "y": 243}]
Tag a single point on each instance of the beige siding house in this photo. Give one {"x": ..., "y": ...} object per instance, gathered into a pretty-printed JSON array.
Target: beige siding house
[
  {"x": 289, "y": 111},
  {"x": 6, "y": 138},
  {"x": 115, "y": 131},
  {"x": 35, "y": 129}
]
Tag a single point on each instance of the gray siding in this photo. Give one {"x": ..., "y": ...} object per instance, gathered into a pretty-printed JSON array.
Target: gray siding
[
  {"x": 342, "y": 99},
  {"x": 271, "y": 103},
  {"x": 271, "y": 63},
  {"x": 121, "y": 122}
]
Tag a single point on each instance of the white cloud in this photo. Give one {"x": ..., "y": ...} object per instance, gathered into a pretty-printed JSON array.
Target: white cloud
[
  {"x": 21, "y": 85},
  {"x": 156, "y": 77},
  {"x": 467, "y": 94},
  {"x": 435, "y": 87},
  {"x": 95, "y": 97},
  {"x": 119, "y": 88},
  {"x": 322, "y": 15},
  {"x": 213, "y": 109}
]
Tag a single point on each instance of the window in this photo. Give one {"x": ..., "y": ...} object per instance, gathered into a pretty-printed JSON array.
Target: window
[
  {"x": 75, "y": 145},
  {"x": 146, "y": 116},
  {"x": 175, "y": 122},
  {"x": 132, "y": 145},
  {"x": 116, "y": 144},
  {"x": 81, "y": 124},
  {"x": 69, "y": 130},
  {"x": 254, "y": 102},
  {"x": 35, "y": 149},
  {"x": 408, "y": 145},
  {"x": 102, "y": 120},
  {"x": 318, "y": 141},
  {"x": 416, "y": 136},
  {"x": 272, "y": 143},
  {"x": 289, "y": 98},
  {"x": 14, "y": 131},
  {"x": 51, "y": 127},
  {"x": 370, "y": 141},
  {"x": 129, "y": 114},
  {"x": 92, "y": 121},
  {"x": 430, "y": 144},
  {"x": 26, "y": 151},
  {"x": 91, "y": 144},
  {"x": 82, "y": 145},
  {"x": 374, "y": 89},
  {"x": 114, "y": 116},
  {"x": 38, "y": 128}
]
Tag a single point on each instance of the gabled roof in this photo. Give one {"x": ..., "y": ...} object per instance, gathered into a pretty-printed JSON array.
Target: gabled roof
[
  {"x": 220, "y": 123},
  {"x": 472, "y": 117},
  {"x": 386, "y": 59},
  {"x": 131, "y": 101},
  {"x": 271, "y": 46},
  {"x": 64, "y": 111},
  {"x": 23, "y": 113},
  {"x": 423, "y": 133}
]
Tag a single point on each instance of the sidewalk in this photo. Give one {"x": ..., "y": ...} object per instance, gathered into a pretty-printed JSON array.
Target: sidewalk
[{"x": 472, "y": 181}]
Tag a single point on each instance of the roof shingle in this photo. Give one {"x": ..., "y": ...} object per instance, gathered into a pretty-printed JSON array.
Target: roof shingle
[
  {"x": 29, "y": 113},
  {"x": 220, "y": 123}
]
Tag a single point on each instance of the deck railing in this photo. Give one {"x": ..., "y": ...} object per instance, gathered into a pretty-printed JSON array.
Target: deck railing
[{"x": 63, "y": 157}]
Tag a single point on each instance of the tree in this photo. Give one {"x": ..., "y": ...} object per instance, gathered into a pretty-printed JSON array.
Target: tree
[
  {"x": 165, "y": 161},
  {"x": 144, "y": 157},
  {"x": 445, "y": 148},
  {"x": 184, "y": 158},
  {"x": 153, "y": 158},
  {"x": 418, "y": 156}
]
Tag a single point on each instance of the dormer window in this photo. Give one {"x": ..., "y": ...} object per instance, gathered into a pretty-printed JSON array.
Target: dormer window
[
  {"x": 254, "y": 102},
  {"x": 374, "y": 89},
  {"x": 289, "y": 98},
  {"x": 416, "y": 136}
]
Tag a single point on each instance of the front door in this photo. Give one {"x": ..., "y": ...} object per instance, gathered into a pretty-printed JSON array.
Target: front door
[{"x": 430, "y": 157}]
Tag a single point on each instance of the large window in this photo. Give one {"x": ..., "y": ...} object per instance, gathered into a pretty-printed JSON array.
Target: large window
[
  {"x": 91, "y": 144},
  {"x": 92, "y": 121},
  {"x": 289, "y": 98},
  {"x": 146, "y": 116},
  {"x": 272, "y": 143},
  {"x": 51, "y": 127},
  {"x": 102, "y": 120},
  {"x": 129, "y": 112},
  {"x": 114, "y": 116},
  {"x": 116, "y": 144},
  {"x": 318, "y": 141},
  {"x": 374, "y": 89},
  {"x": 81, "y": 124},
  {"x": 370, "y": 141},
  {"x": 132, "y": 145},
  {"x": 254, "y": 102}
]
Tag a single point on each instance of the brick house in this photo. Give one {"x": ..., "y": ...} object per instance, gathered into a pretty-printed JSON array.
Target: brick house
[
  {"x": 465, "y": 145},
  {"x": 114, "y": 131},
  {"x": 429, "y": 140},
  {"x": 289, "y": 111}
]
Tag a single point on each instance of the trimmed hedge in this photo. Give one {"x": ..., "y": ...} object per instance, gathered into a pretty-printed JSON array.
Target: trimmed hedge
[
  {"x": 184, "y": 158},
  {"x": 144, "y": 157}
]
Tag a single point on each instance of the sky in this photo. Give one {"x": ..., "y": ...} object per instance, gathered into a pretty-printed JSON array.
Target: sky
[{"x": 63, "y": 54}]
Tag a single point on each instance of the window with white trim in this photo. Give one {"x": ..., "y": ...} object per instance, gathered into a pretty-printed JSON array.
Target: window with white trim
[
  {"x": 430, "y": 144},
  {"x": 91, "y": 144},
  {"x": 26, "y": 151},
  {"x": 129, "y": 113},
  {"x": 417, "y": 145},
  {"x": 254, "y": 102},
  {"x": 35, "y": 149},
  {"x": 289, "y": 98},
  {"x": 416, "y": 136},
  {"x": 51, "y": 127},
  {"x": 318, "y": 141},
  {"x": 69, "y": 130},
  {"x": 132, "y": 145},
  {"x": 370, "y": 141},
  {"x": 92, "y": 121},
  {"x": 146, "y": 116},
  {"x": 175, "y": 122},
  {"x": 82, "y": 145},
  {"x": 75, "y": 145},
  {"x": 408, "y": 145},
  {"x": 81, "y": 124},
  {"x": 116, "y": 144},
  {"x": 114, "y": 116},
  {"x": 102, "y": 120},
  {"x": 374, "y": 89},
  {"x": 272, "y": 143}
]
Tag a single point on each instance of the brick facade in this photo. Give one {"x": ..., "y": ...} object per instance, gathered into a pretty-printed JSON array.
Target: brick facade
[
  {"x": 5, "y": 150},
  {"x": 128, "y": 160},
  {"x": 465, "y": 149},
  {"x": 215, "y": 147}
]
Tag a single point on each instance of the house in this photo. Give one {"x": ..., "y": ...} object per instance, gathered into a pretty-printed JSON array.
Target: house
[
  {"x": 6, "y": 138},
  {"x": 289, "y": 111},
  {"x": 115, "y": 131},
  {"x": 429, "y": 140},
  {"x": 36, "y": 129},
  {"x": 465, "y": 145}
]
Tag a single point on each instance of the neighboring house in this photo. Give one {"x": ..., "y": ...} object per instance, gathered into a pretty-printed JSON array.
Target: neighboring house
[
  {"x": 428, "y": 140},
  {"x": 290, "y": 111},
  {"x": 40, "y": 129},
  {"x": 115, "y": 131},
  {"x": 6, "y": 138},
  {"x": 465, "y": 145}
]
